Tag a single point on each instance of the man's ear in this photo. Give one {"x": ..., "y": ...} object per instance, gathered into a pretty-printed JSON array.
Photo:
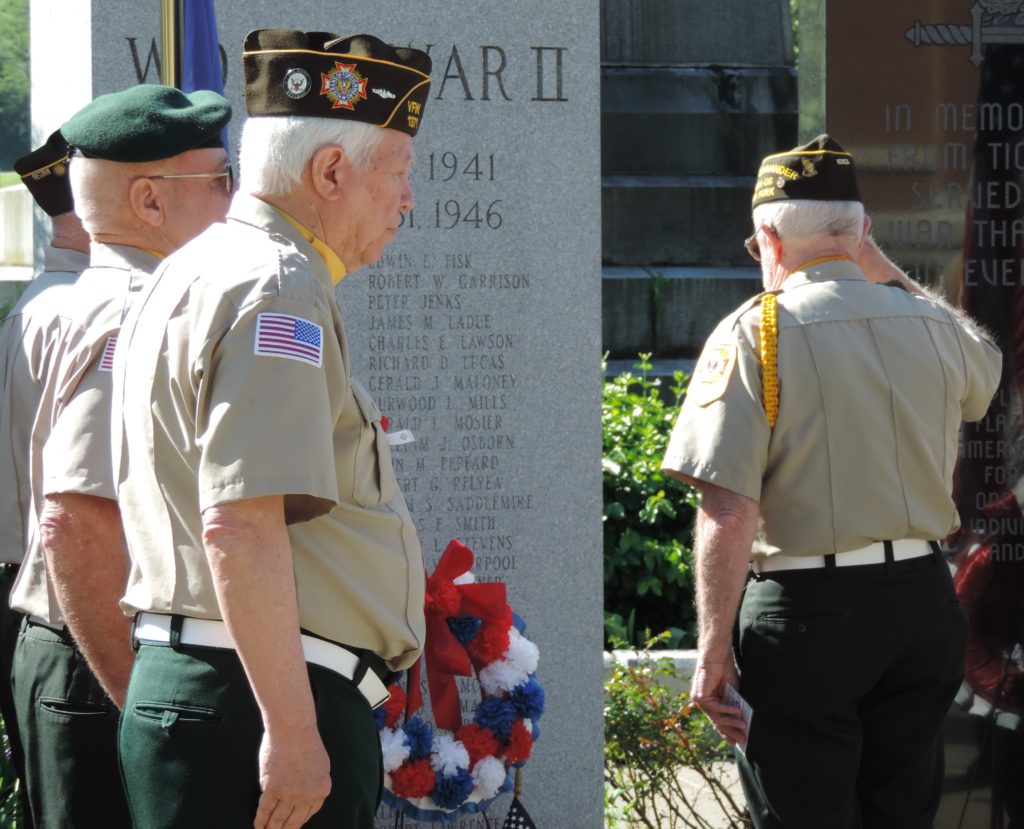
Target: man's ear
[
  {"x": 146, "y": 202},
  {"x": 329, "y": 171}
]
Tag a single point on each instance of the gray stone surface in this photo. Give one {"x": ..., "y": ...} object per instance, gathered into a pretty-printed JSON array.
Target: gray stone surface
[
  {"x": 481, "y": 334},
  {"x": 731, "y": 32}
]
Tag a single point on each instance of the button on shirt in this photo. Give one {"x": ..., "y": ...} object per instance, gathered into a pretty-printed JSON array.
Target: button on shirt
[
  {"x": 234, "y": 384},
  {"x": 30, "y": 336},
  {"x": 71, "y": 433},
  {"x": 873, "y": 385}
]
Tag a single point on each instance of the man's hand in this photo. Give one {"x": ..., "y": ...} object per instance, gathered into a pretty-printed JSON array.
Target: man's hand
[
  {"x": 295, "y": 777},
  {"x": 709, "y": 681}
]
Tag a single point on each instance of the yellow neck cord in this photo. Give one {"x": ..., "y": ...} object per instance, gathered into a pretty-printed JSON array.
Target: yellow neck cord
[{"x": 333, "y": 262}]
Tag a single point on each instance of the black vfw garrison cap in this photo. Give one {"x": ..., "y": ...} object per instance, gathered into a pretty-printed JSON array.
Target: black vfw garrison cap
[
  {"x": 45, "y": 173},
  {"x": 820, "y": 170},
  {"x": 357, "y": 78},
  {"x": 148, "y": 122}
]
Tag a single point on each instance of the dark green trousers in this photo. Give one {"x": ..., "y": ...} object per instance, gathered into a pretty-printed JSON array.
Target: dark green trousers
[
  {"x": 850, "y": 673},
  {"x": 190, "y": 737},
  {"x": 10, "y": 626},
  {"x": 69, "y": 731}
]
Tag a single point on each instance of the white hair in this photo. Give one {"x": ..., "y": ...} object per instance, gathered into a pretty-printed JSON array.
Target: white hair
[
  {"x": 802, "y": 219},
  {"x": 275, "y": 149},
  {"x": 100, "y": 191}
]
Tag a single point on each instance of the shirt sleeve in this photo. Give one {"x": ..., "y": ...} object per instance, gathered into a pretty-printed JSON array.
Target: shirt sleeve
[
  {"x": 266, "y": 407},
  {"x": 983, "y": 363},
  {"x": 77, "y": 454},
  {"x": 721, "y": 435}
]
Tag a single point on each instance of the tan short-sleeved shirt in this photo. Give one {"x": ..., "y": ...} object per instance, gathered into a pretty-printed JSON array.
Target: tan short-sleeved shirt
[
  {"x": 235, "y": 384},
  {"x": 874, "y": 383},
  {"x": 29, "y": 340},
  {"x": 71, "y": 433}
]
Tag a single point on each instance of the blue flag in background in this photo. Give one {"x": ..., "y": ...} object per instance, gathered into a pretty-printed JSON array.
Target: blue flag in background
[{"x": 200, "y": 50}]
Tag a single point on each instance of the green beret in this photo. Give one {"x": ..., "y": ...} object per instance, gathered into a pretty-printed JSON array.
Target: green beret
[
  {"x": 45, "y": 173},
  {"x": 356, "y": 78},
  {"x": 820, "y": 170},
  {"x": 148, "y": 122}
]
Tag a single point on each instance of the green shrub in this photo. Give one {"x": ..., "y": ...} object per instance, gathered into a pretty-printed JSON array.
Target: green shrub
[
  {"x": 648, "y": 516},
  {"x": 660, "y": 752}
]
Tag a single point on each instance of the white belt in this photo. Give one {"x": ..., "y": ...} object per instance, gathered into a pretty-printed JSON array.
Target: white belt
[
  {"x": 902, "y": 549},
  {"x": 213, "y": 633}
]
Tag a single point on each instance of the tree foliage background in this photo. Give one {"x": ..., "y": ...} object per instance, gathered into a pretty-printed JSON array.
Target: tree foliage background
[{"x": 15, "y": 118}]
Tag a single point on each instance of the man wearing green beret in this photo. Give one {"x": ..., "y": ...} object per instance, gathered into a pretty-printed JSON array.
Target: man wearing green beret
[
  {"x": 149, "y": 172},
  {"x": 276, "y": 571},
  {"x": 821, "y": 426},
  {"x": 27, "y": 339}
]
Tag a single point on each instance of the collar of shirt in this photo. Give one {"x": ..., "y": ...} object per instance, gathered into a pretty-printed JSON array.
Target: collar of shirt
[
  {"x": 123, "y": 257},
  {"x": 258, "y": 213},
  {"x": 65, "y": 259},
  {"x": 829, "y": 269}
]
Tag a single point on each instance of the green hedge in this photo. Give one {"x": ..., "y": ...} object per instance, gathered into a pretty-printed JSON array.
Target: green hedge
[{"x": 648, "y": 516}]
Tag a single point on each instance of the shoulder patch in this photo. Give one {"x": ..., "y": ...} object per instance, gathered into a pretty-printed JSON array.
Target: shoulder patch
[
  {"x": 285, "y": 335},
  {"x": 711, "y": 377}
]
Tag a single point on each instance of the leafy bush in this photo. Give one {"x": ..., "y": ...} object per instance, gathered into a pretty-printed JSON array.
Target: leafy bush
[
  {"x": 648, "y": 516},
  {"x": 660, "y": 753}
]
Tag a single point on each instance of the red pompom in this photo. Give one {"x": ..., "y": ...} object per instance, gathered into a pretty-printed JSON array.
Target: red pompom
[
  {"x": 443, "y": 597},
  {"x": 395, "y": 706},
  {"x": 479, "y": 742},
  {"x": 520, "y": 743},
  {"x": 490, "y": 644},
  {"x": 415, "y": 779}
]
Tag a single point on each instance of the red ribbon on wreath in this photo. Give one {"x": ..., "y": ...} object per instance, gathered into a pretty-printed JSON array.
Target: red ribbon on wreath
[{"x": 444, "y": 655}]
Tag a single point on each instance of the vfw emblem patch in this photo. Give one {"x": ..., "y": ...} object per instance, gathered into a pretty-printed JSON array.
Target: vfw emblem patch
[
  {"x": 711, "y": 377},
  {"x": 343, "y": 85}
]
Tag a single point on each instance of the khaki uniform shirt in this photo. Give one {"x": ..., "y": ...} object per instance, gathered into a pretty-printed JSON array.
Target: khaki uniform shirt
[
  {"x": 72, "y": 427},
  {"x": 29, "y": 339},
  {"x": 873, "y": 385},
  {"x": 234, "y": 384}
]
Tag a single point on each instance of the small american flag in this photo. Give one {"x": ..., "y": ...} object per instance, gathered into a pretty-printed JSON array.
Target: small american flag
[
  {"x": 107, "y": 357},
  {"x": 518, "y": 817},
  {"x": 284, "y": 335}
]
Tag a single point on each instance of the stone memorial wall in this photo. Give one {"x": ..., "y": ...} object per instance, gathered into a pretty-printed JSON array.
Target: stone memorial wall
[{"x": 478, "y": 331}]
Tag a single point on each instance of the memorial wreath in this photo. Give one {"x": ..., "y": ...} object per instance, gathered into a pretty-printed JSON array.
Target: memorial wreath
[{"x": 436, "y": 771}]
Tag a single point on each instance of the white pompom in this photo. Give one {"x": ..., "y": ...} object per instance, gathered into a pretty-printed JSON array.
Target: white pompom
[
  {"x": 522, "y": 653},
  {"x": 448, "y": 756},
  {"x": 465, "y": 578},
  {"x": 501, "y": 676},
  {"x": 394, "y": 748},
  {"x": 488, "y": 776}
]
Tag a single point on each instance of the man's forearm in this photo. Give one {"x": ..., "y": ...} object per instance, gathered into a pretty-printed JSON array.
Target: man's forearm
[
  {"x": 84, "y": 549},
  {"x": 726, "y": 525}
]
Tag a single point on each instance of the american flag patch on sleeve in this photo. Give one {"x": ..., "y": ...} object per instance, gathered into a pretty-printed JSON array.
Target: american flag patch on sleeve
[
  {"x": 284, "y": 335},
  {"x": 107, "y": 357}
]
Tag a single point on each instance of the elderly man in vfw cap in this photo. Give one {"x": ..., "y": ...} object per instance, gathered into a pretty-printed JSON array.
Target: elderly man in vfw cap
[
  {"x": 27, "y": 339},
  {"x": 148, "y": 174},
  {"x": 821, "y": 427},
  {"x": 276, "y": 573}
]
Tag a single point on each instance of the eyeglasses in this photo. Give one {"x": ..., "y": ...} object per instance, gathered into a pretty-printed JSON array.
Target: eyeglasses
[
  {"x": 750, "y": 243},
  {"x": 228, "y": 174}
]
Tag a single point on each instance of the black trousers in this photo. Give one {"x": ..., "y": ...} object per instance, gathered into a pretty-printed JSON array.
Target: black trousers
[
  {"x": 69, "y": 731},
  {"x": 850, "y": 673},
  {"x": 190, "y": 737}
]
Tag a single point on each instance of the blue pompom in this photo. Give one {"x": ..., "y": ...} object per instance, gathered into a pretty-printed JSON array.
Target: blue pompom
[
  {"x": 496, "y": 714},
  {"x": 380, "y": 716},
  {"x": 528, "y": 698},
  {"x": 465, "y": 628},
  {"x": 420, "y": 737},
  {"x": 451, "y": 792}
]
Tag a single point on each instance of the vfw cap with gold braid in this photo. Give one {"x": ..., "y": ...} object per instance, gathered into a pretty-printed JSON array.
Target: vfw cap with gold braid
[
  {"x": 319, "y": 74},
  {"x": 819, "y": 170}
]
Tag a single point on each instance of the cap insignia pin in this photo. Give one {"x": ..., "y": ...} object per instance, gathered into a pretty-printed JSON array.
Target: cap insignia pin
[
  {"x": 297, "y": 83},
  {"x": 343, "y": 86}
]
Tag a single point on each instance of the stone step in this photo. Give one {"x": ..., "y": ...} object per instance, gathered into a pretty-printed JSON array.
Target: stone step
[
  {"x": 668, "y": 312},
  {"x": 732, "y": 32},
  {"x": 687, "y": 119},
  {"x": 675, "y": 219}
]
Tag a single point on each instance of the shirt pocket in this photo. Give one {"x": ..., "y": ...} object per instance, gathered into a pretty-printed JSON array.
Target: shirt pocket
[{"x": 373, "y": 475}]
